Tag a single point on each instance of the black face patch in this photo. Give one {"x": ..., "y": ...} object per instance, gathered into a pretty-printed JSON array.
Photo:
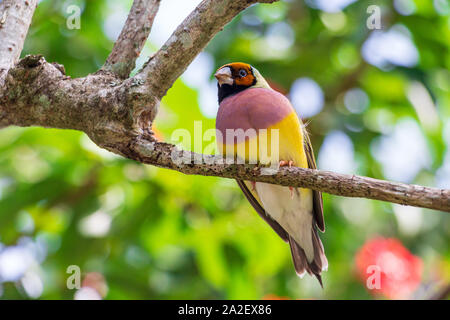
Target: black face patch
[{"x": 226, "y": 90}]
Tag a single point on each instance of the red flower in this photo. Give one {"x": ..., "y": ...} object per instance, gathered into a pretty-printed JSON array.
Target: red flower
[{"x": 386, "y": 267}]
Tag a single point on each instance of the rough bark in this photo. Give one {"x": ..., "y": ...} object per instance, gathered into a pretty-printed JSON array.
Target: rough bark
[
  {"x": 188, "y": 40},
  {"x": 128, "y": 46},
  {"x": 168, "y": 156},
  {"x": 15, "y": 19},
  {"x": 117, "y": 113}
]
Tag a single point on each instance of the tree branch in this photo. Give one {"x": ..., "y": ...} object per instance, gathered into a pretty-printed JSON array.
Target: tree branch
[
  {"x": 168, "y": 156},
  {"x": 117, "y": 114},
  {"x": 128, "y": 46},
  {"x": 188, "y": 40},
  {"x": 15, "y": 19}
]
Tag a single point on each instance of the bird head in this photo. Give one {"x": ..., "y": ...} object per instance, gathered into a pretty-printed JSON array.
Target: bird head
[{"x": 235, "y": 77}]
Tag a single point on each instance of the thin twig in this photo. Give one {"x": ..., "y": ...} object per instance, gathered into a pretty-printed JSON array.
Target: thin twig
[
  {"x": 189, "y": 39},
  {"x": 128, "y": 46}
]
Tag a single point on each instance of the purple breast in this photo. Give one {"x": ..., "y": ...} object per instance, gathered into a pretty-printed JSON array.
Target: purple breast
[{"x": 255, "y": 108}]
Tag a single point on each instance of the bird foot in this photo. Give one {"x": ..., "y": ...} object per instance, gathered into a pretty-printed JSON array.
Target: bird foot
[
  {"x": 291, "y": 189},
  {"x": 284, "y": 163},
  {"x": 253, "y": 185},
  {"x": 290, "y": 163}
]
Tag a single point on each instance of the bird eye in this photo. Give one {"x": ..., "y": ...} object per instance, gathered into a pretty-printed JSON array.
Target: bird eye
[{"x": 242, "y": 73}]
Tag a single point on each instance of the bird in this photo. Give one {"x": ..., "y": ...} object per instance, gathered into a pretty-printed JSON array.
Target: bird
[{"x": 248, "y": 103}]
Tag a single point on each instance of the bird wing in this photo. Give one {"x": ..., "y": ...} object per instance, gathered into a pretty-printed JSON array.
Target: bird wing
[
  {"x": 252, "y": 197},
  {"x": 317, "y": 196}
]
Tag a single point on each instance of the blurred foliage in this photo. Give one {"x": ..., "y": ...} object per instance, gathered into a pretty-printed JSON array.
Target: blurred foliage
[{"x": 158, "y": 234}]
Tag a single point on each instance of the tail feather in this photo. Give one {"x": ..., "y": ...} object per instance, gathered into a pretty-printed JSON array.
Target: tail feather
[
  {"x": 298, "y": 257},
  {"x": 319, "y": 252},
  {"x": 301, "y": 263}
]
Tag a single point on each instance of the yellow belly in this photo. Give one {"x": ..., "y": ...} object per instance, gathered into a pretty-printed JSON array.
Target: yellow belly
[
  {"x": 269, "y": 147},
  {"x": 283, "y": 139}
]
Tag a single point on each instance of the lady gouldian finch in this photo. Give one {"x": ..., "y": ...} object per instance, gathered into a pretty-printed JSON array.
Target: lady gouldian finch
[{"x": 247, "y": 103}]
